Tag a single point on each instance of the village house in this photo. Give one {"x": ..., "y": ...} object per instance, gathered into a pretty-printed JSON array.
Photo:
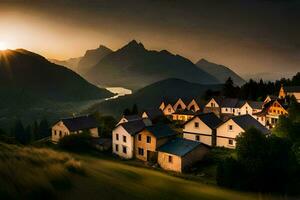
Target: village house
[
  {"x": 202, "y": 128},
  {"x": 182, "y": 115},
  {"x": 149, "y": 139},
  {"x": 123, "y": 137},
  {"x": 179, "y": 154},
  {"x": 74, "y": 125},
  {"x": 289, "y": 91},
  {"x": 179, "y": 105},
  {"x": 233, "y": 127},
  {"x": 193, "y": 106}
]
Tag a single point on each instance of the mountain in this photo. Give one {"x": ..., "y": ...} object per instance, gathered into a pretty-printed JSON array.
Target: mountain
[
  {"x": 31, "y": 88},
  {"x": 92, "y": 57},
  {"x": 152, "y": 95},
  {"x": 134, "y": 67},
  {"x": 71, "y": 63},
  {"x": 221, "y": 72}
]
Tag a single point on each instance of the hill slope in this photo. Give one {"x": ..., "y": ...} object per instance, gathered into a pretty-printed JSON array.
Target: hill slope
[
  {"x": 152, "y": 95},
  {"x": 221, "y": 72},
  {"x": 71, "y": 63},
  {"x": 53, "y": 174},
  {"x": 92, "y": 57},
  {"x": 31, "y": 87},
  {"x": 134, "y": 67}
]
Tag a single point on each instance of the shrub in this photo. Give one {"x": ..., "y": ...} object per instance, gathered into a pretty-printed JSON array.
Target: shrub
[{"x": 76, "y": 142}]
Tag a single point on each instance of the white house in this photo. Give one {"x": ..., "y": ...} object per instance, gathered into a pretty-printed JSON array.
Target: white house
[
  {"x": 123, "y": 137},
  {"x": 168, "y": 110},
  {"x": 74, "y": 125},
  {"x": 251, "y": 107},
  {"x": 230, "y": 129},
  {"x": 202, "y": 128}
]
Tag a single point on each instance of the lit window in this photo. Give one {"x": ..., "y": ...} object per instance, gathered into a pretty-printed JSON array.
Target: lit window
[
  {"x": 170, "y": 159},
  {"x": 148, "y": 139},
  {"x": 196, "y": 124}
]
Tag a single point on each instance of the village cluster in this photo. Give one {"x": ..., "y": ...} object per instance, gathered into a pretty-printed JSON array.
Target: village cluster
[{"x": 216, "y": 123}]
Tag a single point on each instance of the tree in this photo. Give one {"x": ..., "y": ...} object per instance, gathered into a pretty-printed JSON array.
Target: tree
[
  {"x": 44, "y": 129},
  {"x": 76, "y": 142},
  {"x": 229, "y": 90},
  {"x": 21, "y": 135},
  {"x": 134, "y": 110}
]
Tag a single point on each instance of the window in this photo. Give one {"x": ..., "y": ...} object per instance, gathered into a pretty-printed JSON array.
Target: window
[
  {"x": 230, "y": 142},
  {"x": 148, "y": 139},
  {"x": 140, "y": 137},
  {"x": 124, "y": 138},
  {"x": 60, "y": 133},
  {"x": 141, "y": 151},
  {"x": 196, "y": 124},
  {"x": 117, "y": 136},
  {"x": 230, "y": 127},
  {"x": 212, "y": 105},
  {"x": 170, "y": 159},
  {"x": 233, "y": 110},
  {"x": 117, "y": 147},
  {"x": 54, "y": 132},
  {"x": 226, "y": 109},
  {"x": 169, "y": 110},
  {"x": 124, "y": 150},
  {"x": 197, "y": 138}
]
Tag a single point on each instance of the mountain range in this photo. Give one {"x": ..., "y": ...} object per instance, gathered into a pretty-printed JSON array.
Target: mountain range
[{"x": 152, "y": 95}]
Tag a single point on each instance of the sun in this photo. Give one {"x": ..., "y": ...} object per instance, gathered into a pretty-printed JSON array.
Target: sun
[{"x": 3, "y": 46}]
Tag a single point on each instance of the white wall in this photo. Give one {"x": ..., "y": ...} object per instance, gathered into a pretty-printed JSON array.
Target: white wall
[
  {"x": 205, "y": 133},
  {"x": 128, "y": 144},
  {"x": 179, "y": 102},
  {"x": 168, "y": 110},
  {"x": 214, "y": 103},
  {"x": 58, "y": 131},
  {"x": 224, "y": 134}
]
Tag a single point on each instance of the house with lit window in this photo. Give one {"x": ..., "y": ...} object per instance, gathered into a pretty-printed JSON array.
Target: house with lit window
[
  {"x": 74, "y": 125},
  {"x": 182, "y": 115},
  {"x": 202, "y": 128},
  {"x": 123, "y": 137},
  {"x": 227, "y": 132},
  {"x": 180, "y": 154},
  {"x": 149, "y": 139}
]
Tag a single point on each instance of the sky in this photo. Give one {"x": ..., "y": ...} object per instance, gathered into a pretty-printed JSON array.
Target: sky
[{"x": 258, "y": 38}]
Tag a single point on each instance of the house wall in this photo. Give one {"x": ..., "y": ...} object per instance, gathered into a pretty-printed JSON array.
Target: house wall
[
  {"x": 163, "y": 161},
  {"x": 144, "y": 145},
  {"x": 194, "y": 156},
  {"x": 205, "y": 133},
  {"x": 168, "y": 110},
  {"x": 227, "y": 110},
  {"x": 129, "y": 144},
  {"x": 193, "y": 104},
  {"x": 246, "y": 109},
  {"x": 224, "y": 134},
  {"x": 162, "y": 106},
  {"x": 181, "y": 103},
  {"x": 58, "y": 131}
]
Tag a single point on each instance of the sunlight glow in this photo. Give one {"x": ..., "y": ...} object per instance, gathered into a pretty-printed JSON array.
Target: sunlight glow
[{"x": 3, "y": 46}]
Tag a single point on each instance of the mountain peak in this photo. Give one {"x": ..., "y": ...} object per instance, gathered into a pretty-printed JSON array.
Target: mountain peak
[
  {"x": 135, "y": 45},
  {"x": 202, "y": 60}
]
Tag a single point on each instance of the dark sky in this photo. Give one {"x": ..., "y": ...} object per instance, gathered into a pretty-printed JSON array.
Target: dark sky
[{"x": 256, "y": 38}]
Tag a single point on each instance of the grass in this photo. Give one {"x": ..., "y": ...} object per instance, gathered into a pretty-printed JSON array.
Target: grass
[{"x": 35, "y": 173}]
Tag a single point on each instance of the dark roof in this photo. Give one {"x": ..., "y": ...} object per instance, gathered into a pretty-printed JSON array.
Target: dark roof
[
  {"x": 291, "y": 88},
  {"x": 210, "y": 119},
  {"x": 80, "y": 123},
  {"x": 184, "y": 112},
  {"x": 161, "y": 130},
  {"x": 246, "y": 122},
  {"x": 179, "y": 146},
  {"x": 133, "y": 127},
  {"x": 229, "y": 102},
  {"x": 255, "y": 104},
  {"x": 153, "y": 113},
  {"x": 132, "y": 117}
]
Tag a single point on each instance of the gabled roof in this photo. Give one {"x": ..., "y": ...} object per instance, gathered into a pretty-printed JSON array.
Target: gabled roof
[
  {"x": 133, "y": 127},
  {"x": 254, "y": 104},
  {"x": 80, "y": 123},
  {"x": 132, "y": 117},
  {"x": 291, "y": 88},
  {"x": 210, "y": 119},
  {"x": 229, "y": 102},
  {"x": 161, "y": 130},
  {"x": 179, "y": 146},
  {"x": 153, "y": 113},
  {"x": 246, "y": 122}
]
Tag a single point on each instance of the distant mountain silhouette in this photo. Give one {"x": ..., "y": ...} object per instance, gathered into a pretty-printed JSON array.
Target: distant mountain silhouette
[
  {"x": 26, "y": 73},
  {"x": 92, "y": 57},
  {"x": 134, "y": 67},
  {"x": 221, "y": 72},
  {"x": 152, "y": 95},
  {"x": 71, "y": 63}
]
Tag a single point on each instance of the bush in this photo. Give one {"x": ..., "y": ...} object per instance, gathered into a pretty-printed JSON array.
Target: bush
[{"x": 76, "y": 142}]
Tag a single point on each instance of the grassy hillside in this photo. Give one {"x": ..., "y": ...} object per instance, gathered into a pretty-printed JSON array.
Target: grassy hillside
[{"x": 34, "y": 173}]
